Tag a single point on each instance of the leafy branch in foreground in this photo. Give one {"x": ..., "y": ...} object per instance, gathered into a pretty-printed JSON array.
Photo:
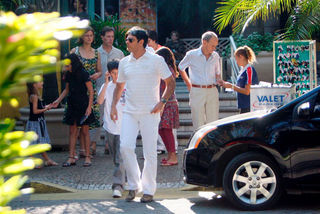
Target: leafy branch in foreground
[{"x": 29, "y": 47}]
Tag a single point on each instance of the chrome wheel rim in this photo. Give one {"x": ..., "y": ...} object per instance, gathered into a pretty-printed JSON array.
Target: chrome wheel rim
[{"x": 254, "y": 182}]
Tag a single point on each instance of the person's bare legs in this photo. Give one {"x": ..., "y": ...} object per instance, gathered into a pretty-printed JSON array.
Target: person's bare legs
[
  {"x": 85, "y": 132},
  {"x": 82, "y": 152},
  {"x": 47, "y": 160},
  {"x": 93, "y": 147},
  {"x": 72, "y": 142}
]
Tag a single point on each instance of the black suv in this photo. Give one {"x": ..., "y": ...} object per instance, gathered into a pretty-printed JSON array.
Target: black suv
[{"x": 258, "y": 155}]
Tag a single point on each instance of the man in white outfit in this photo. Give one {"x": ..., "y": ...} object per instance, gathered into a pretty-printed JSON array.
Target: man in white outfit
[
  {"x": 204, "y": 71},
  {"x": 141, "y": 73}
]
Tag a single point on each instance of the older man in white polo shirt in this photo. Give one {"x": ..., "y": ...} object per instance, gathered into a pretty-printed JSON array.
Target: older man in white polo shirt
[
  {"x": 140, "y": 73},
  {"x": 204, "y": 71}
]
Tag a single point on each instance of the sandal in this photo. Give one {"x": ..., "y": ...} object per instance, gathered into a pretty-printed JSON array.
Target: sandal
[
  {"x": 93, "y": 151},
  {"x": 87, "y": 164},
  {"x": 169, "y": 163},
  {"x": 164, "y": 160},
  {"x": 68, "y": 164},
  {"x": 93, "y": 148},
  {"x": 50, "y": 163},
  {"x": 106, "y": 151},
  {"x": 82, "y": 153}
]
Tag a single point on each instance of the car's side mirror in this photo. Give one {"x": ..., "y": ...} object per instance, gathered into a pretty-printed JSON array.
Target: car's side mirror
[{"x": 304, "y": 110}]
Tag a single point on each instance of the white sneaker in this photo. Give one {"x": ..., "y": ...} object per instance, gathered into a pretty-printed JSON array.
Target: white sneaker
[{"x": 116, "y": 193}]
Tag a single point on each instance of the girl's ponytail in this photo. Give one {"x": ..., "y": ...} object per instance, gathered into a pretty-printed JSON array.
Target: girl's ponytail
[{"x": 247, "y": 52}]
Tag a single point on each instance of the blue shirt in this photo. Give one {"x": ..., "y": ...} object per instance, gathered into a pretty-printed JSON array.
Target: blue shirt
[{"x": 247, "y": 76}]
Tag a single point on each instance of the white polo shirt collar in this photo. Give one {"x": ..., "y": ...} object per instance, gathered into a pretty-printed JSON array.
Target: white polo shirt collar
[{"x": 132, "y": 58}]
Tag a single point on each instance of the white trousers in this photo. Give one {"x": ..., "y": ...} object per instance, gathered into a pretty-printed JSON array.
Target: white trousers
[
  {"x": 148, "y": 125},
  {"x": 204, "y": 103}
]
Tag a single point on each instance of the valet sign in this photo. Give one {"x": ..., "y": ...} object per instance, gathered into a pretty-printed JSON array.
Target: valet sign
[{"x": 270, "y": 97}]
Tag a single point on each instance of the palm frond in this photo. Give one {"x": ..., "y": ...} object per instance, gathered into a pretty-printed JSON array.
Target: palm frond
[
  {"x": 242, "y": 13},
  {"x": 303, "y": 21}
]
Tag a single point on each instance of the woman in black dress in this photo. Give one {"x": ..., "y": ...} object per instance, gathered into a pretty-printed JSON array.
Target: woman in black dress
[{"x": 78, "y": 112}]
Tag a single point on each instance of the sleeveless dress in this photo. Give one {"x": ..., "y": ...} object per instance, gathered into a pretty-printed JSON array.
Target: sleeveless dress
[
  {"x": 38, "y": 124},
  {"x": 90, "y": 65},
  {"x": 77, "y": 99},
  {"x": 170, "y": 115}
]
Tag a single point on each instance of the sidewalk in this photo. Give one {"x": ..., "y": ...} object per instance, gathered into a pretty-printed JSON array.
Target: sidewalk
[{"x": 99, "y": 175}]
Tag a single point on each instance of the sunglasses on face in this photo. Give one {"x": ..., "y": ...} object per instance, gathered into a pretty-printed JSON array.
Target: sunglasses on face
[{"x": 130, "y": 40}]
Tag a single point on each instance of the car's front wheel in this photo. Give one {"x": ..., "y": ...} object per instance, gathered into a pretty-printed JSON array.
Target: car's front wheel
[{"x": 251, "y": 181}]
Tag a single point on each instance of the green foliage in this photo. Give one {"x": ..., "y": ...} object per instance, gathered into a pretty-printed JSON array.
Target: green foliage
[
  {"x": 14, "y": 159},
  {"x": 258, "y": 42},
  {"x": 28, "y": 48},
  {"x": 10, "y": 5},
  {"x": 119, "y": 34},
  {"x": 303, "y": 22}
]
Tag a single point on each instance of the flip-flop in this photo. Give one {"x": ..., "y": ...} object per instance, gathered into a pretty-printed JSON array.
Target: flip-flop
[
  {"x": 87, "y": 164},
  {"x": 164, "y": 160},
  {"x": 169, "y": 164},
  {"x": 68, "y": 164},
  {"x": 50, "y": 163}
]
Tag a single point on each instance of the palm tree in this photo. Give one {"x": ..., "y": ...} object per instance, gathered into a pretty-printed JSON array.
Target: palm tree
[{"x": 303, "y": 21}]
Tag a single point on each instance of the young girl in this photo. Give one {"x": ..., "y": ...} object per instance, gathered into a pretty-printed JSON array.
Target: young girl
[
  {"x": 245, "y": 57},
  {"x": 170, "y": 114},
  {"x": 79, "y": 107},
  {"x": 36, "y": 120}
]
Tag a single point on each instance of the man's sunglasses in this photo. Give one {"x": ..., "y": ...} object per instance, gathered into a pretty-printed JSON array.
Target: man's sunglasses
[{"x": 129, "y": 40}]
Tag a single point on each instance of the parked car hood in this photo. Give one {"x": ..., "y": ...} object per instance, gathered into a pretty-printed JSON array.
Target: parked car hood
[{"x": 237, "y": 118}]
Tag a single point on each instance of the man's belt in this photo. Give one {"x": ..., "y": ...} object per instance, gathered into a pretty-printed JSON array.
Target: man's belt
[{"x": 203, "y": 86}]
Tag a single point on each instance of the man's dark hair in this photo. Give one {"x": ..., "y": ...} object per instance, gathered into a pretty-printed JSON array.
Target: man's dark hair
[
  {"x": 22, "y": 9},
  {"x": 106, "y": 29},
  {"x": 109, "y": 9},
  {"x": 140, "y": 33},
  {"x": 114, "y": 64},
  {"x": 83, "y": 2},
  {"x": 175, "y": 32},
  {"x": 153, "y": 35}
]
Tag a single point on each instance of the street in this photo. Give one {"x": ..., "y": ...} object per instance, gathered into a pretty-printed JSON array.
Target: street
[{"x": 205, "y": 202}]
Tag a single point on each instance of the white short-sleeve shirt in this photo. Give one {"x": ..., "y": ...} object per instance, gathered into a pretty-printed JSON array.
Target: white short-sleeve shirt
[
  {"x": 201, "y": 70},
  {"x": 108, "y": 124},
  {"x": 142, "y": 77}
]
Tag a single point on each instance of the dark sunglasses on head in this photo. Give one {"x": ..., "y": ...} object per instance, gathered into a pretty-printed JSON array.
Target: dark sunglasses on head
[{"x": 129, "y": 40}]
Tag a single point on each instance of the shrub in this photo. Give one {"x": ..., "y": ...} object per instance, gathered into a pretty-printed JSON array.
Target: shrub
[{"x": 258, "y": 42}]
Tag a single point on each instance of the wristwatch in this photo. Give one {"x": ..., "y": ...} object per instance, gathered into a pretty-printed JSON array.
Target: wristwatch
[{"x": 164, "y": 101}]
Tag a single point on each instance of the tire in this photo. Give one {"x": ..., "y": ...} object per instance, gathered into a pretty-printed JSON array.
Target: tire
[{"x": 252, "y": 181}]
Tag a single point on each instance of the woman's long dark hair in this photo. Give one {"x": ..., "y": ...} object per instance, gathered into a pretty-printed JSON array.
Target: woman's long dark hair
[
  {"x": 168, "y": 56},
  {"x": 30, "y": 89},
  {"x": 76, "y": 64}
]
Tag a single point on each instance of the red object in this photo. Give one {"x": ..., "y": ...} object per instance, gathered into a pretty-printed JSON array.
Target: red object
[
  {"x": 169, "y": 163},
  {"x": 168, "y": 139}
]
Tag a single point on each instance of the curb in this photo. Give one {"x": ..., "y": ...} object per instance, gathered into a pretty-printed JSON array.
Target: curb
[{"x": 47, "y": 187}]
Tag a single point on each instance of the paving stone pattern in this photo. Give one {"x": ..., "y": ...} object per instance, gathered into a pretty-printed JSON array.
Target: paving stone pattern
[{"x": 99, "y": 175}]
